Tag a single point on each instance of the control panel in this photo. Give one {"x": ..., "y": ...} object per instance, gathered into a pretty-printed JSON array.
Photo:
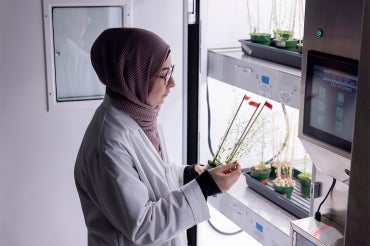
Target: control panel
[{"x": 274, "y": 81}]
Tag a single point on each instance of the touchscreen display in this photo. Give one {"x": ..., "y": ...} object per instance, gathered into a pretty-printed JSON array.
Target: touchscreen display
[
  {"x": 330, "y": 99},
  {"x": 302, "y": 241}
]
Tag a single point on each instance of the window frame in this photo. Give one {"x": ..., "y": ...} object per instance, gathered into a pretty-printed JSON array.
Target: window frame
[{"x": 48, "y": 5}]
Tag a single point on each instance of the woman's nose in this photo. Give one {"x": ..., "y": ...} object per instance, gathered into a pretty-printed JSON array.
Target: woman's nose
[{"x": 171, "y": 82}]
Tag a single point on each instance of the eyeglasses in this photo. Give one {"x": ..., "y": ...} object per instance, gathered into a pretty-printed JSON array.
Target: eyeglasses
[{"x": 168, "y": 74}]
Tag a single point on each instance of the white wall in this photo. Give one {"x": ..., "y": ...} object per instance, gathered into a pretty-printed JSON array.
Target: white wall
[
  {"x": 39, "y": 202},
  {"x": 226, "y": 23}
]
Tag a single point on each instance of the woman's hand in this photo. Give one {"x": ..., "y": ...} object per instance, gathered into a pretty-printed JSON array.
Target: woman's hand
[
  {"x": 199, "y": 168},
  {"x": 226, "y": 175}
]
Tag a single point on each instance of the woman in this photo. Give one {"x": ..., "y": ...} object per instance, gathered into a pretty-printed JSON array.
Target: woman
[{"x": 130, "y": 194}]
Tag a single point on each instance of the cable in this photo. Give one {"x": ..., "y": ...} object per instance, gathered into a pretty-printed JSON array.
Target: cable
[
  {"x": 209, "y": 120},
  {"x": 222, "y": 232},
  {"x": 318, "y": 214}
]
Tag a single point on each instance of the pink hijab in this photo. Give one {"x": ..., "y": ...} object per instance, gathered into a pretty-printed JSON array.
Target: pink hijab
[{"x": 127, "y": 60}]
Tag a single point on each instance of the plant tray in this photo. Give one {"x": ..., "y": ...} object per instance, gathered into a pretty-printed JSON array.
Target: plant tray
[
  {"x": 271, "y": 53},
  {"x": 298, "y": 206}
]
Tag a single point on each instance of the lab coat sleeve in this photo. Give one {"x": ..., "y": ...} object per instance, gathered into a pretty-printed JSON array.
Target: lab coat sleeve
[
  {"x": 125, "y": 201},
  {"x": 171, "y": 168},
  {"x": 178, "y": 171}
]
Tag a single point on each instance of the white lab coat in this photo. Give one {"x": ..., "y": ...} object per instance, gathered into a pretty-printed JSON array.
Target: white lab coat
[{"x": 129, "y": 195}]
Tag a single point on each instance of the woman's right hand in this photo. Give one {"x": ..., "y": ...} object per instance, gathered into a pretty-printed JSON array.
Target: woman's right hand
[{"x": 226, "y": 175}]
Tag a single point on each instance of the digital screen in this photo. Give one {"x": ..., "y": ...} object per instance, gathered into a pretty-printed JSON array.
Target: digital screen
[
  {"x": 330, "y": 99},
  {"x": 302, "y": 241}
]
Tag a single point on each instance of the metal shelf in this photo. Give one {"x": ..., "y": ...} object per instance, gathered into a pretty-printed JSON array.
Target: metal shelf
[
  {"x": 266, "y": 222},
  {"x": 262, "y": 219},
  {"x": 274, "y": 81}
]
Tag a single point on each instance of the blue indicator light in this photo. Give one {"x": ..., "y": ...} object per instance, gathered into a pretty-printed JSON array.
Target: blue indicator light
[
  {"x": 265, "y": 80},
  {"x": 259, "y": 227}
]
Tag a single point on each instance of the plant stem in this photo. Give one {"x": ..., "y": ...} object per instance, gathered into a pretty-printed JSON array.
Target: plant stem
[
  {"x": 245, "y": 132},
  {"x": 228, "y": 129}
]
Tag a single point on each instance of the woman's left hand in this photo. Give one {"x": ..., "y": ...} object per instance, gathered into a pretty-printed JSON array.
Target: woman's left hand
[{"x": 199, "y": 168}]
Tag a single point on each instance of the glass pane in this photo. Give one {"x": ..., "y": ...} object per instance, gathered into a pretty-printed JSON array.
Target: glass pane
[{"x": 74, "y": 31}]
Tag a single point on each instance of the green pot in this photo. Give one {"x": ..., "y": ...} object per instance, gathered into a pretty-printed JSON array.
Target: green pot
[
  {"x": 305, "y": 187},
  {"x": 262, "y": 176},
  {"x": 261, "y": 38},
  {"x": 210, "y": 165},
  {"x": 283, "y": 34},
  {"x": 290, "y": 45},
  {"x": 285, "y": 191}
]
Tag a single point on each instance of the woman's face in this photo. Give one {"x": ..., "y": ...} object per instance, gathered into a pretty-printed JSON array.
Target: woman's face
[{"x": 160, "y": 89}]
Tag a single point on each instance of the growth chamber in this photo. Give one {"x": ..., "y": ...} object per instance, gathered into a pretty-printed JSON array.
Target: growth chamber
[{"x": 307, "y": 128}]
